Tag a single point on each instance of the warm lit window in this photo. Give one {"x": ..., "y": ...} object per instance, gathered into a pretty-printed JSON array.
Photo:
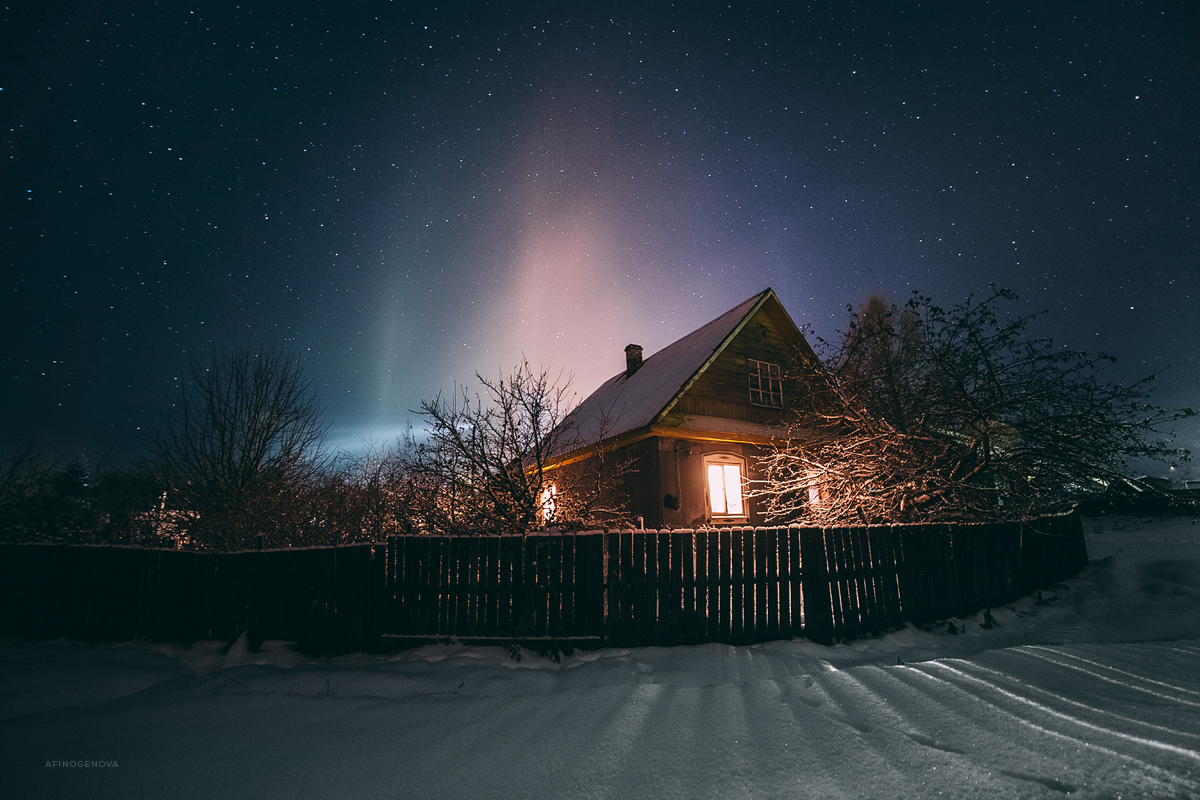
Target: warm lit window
[
  {"x": 725, "y": 479},
  {"x": 548, "y": 504},
  {"x": 766, "y": 384}
]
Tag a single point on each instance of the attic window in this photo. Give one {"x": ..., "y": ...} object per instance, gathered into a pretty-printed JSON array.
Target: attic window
[
  {"x": 724, "y": 474},
  {"x": 766, "y": 384}
]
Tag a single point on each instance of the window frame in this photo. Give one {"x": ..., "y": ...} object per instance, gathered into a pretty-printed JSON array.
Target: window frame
[
  {"x": 760, "y": 372},
  {"x": 726, "y": 460}
]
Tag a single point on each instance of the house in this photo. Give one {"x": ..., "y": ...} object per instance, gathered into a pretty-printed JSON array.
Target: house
[{"x": 690, "y": 420}]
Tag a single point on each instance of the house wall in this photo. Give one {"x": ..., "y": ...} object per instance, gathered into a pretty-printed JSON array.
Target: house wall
[
  {"x": 642, "y": 484},
  {"x": 658, "y": 467},
  {"x": 681, "y": 467},
  {"x": 724, "y": 388}
]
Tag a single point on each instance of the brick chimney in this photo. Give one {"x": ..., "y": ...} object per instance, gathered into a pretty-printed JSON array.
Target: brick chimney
[{"x": 633, "y": 359}]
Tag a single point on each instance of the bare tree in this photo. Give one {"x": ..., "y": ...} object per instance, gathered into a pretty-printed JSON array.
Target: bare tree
[
  {"x": 367, "y": 496},
  {"x": 956, "y": 414},
  {"x": 26, "y": 478},
  {"x": 238, "y": 445},
  {"x": 493, "y": 463}
]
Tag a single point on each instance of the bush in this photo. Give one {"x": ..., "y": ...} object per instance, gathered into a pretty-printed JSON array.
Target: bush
[{"x": 957, "y": 415}]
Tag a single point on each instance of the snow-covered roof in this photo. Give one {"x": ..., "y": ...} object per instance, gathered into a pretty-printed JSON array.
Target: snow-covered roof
[{"x": 624, "y": 404}]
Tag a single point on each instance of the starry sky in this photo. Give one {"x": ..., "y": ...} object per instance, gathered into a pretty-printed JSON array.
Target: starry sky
[{"x": 404, "y": 195}]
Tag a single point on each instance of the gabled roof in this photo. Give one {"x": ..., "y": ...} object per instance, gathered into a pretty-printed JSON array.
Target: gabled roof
[{"x": 623, "y": 404}]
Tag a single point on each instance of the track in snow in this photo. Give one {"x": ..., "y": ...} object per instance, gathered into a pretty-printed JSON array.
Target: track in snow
[{"x": 1033, "y": 721}]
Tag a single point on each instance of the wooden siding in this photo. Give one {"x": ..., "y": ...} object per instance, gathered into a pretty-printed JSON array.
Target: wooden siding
[
  {"x": 724, "y": 389},
  {"x": 642, "y": 483}
]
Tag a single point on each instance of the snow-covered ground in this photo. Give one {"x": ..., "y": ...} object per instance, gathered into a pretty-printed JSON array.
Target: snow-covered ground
[{"x": 1095, "y": 692}]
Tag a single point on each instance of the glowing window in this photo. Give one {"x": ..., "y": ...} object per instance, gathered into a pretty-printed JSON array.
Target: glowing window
[
  {"x": 766, "y": 384},
  {"x": 725, "y": 485},
  {"x": 548, "y": 504}
]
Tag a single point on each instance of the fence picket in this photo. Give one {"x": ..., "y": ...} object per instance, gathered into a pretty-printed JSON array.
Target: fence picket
[
  {"x": 784, "y": 574},
  {"x": 671, "y": 599},
  {"x": 456, "y": 601},
  {"x": 556, "y": 585},
  {"x": 731, "y": 585},
  {"x": 769, "y": 623},
  {"x": 650, "y": 617},
  {"x": 838, "y": 594},
  {"x": 853, "y": 623},
  {"x": 668, "y": 595},
  {"x": 816, "y": 589},
  {"x": 760, "y": 585},
  {"x": 708, "y": 576},
  {"x": 614, "y": 565},
  {"x": 639, "y": 601},
  {"x": 871, "y": 611},
  {"x": 428, "y": 601},
  {"x": 684, "y": 543},
  {"x": 883, "y": 552}
]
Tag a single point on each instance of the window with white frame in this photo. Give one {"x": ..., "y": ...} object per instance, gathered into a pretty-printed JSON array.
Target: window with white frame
[
  {"x": 725, "y": 475},
  {"x": 766, "y": 384}
]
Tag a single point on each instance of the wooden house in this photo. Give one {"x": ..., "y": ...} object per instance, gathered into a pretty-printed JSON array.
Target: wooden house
[{"x": 690, "y": 420}]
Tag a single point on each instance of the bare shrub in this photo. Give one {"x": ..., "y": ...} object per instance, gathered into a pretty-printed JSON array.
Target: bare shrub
[
  {"x": 957, "y": 415},
  {"x": 493, "y": 463}
]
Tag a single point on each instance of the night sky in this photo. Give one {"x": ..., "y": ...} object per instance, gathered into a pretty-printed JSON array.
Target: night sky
[{"x": 405, "y": 195}]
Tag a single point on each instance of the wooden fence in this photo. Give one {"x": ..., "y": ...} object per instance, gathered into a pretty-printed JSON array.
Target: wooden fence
[{"x": 623, "y": 588}]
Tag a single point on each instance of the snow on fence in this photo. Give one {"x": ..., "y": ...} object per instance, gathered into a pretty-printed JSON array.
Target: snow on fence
[{"x": 622, "y": 588}]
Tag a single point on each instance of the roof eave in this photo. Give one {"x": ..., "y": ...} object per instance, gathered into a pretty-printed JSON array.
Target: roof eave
[
  {"x": 724, "y": 437},
  {"x": 588, "y": 450}
]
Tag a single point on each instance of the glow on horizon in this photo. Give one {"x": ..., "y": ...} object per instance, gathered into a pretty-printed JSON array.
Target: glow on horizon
[
  {"x": 568, "y": 268},
  {"x": 579, "y": 279}
]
